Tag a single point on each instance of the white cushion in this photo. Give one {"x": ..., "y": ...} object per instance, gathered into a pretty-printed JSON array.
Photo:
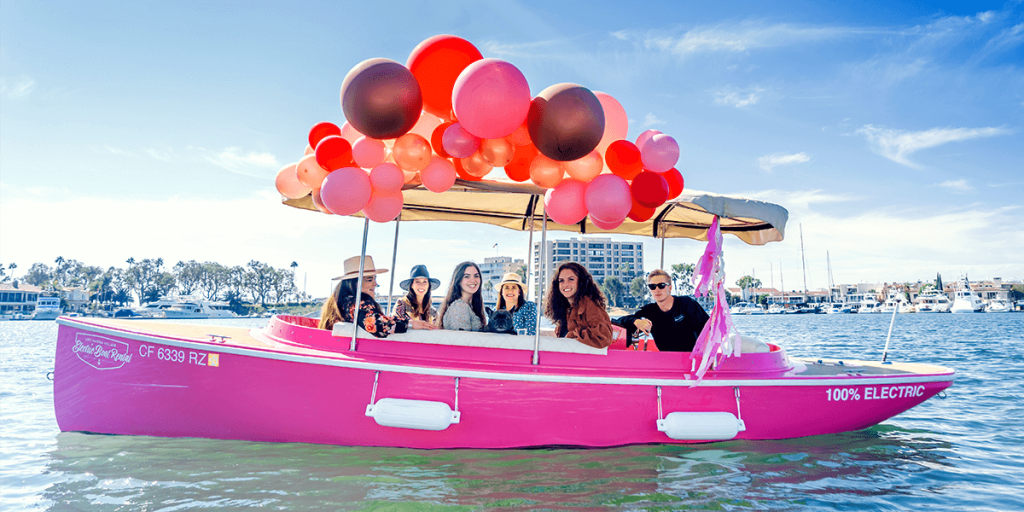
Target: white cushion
[{"x": 478, "y": 339}]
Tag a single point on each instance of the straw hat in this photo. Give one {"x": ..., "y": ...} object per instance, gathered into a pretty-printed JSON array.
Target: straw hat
[
  {"x": 419, "y": 271},
  {"x": 512, "y": 277},
  {"x": 352, "y": 268}
]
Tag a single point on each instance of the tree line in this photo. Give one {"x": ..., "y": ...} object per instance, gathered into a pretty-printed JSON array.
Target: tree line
[{"x": 148, "y": 280}]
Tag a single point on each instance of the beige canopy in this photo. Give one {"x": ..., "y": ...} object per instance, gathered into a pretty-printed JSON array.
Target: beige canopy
[{"x": 515, "y": 205}]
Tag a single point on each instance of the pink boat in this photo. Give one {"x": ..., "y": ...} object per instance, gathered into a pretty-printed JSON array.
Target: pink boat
[{"x": 292, "y": 382}]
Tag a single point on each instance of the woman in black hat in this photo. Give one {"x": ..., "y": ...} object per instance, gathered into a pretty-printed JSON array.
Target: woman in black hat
[{"x": 416, "y": 308}]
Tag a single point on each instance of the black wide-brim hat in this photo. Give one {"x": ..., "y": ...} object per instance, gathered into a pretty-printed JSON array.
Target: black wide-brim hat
[{"x": 419, "y": 271}]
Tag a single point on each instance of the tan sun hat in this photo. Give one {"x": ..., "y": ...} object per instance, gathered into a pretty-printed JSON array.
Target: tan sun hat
[
  {"x": 512, "y": 277},
  {"x": 352, "y": 268}
]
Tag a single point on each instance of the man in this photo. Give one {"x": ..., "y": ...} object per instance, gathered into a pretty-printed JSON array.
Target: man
[{"x": 675, "y": 322}]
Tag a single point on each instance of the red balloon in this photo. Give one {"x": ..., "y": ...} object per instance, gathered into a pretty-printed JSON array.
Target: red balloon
[
  {"x": 519, "y": 168},
  {"x": 436, "y": 139},
  {"x": 461, "y": 171},
  {"x": 639, "y": 212},
  {"x": 436, "y": 63},
  {"x": 623, "y": 158},
  {"x": 333, "y": 153},
  {"x": 321, "y": 130},
  {"x": 649, "y": 189},
  {"x": 675, "y": 182}
]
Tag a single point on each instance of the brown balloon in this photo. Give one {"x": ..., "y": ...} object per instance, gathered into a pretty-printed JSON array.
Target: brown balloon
[
  {"x": 381, "y": 99},
  {"x": 566, "y": 122}
]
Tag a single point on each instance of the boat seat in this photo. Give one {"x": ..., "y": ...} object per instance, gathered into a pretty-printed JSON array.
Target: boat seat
[
  {"x": 753, "y": 346},
  {"x": 477, "y": 339}
]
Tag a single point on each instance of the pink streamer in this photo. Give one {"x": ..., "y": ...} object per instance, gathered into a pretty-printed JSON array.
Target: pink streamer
[{"x": 719, "y": 338}]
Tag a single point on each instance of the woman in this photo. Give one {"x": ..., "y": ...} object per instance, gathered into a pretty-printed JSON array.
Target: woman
[
  {"x": 463, "y": 306},
  {"x": 341, "y": 305},
  {"x": 576, "y": 305},
  {"x": 415, "y": 308},
  {"x": 524, "y": 312}
]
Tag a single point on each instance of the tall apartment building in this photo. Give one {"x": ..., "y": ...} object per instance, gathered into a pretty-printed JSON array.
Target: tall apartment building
[
  {"x": 602, "y": 257},
  {"x": 492, "y": 270}
]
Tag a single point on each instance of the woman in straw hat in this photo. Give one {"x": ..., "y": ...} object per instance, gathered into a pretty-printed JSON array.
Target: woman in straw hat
[
  {"x": 512, "y": 298},
  {"x": 341, "y": 305},
  {"x": 415, "y": 308}
]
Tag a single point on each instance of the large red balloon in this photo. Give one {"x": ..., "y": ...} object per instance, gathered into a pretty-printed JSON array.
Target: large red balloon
[
  {"x": 321, "y": 130},
  {"x": 639, "y": 212},
  {"x": 623, "y": 158},
  {"x": 381, "y": 99},
  {"x": 436, "y": 64},
  {"x": 649, "y": 189},
  {"x": 333, "y": 153},
  {"x": 675, "y": 182},
  {"x": 519, "y": 168},
  {"x": 566, "y": 122}
]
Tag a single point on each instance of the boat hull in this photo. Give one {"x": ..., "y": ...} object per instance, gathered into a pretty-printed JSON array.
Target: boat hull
[{"x": 113, "y": 381}]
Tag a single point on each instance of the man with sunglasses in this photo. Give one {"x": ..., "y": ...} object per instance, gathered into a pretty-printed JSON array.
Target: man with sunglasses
[{"x": 675, "y": 322}]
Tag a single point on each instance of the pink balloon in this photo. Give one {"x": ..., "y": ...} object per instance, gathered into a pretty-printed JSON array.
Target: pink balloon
[
  {"x": 309, "y": 172},
  {"x": 288, "y": 183},
  {"x": 425, "y": 126},
  {"x": 491, "y": 98},
  {"x": 458, "y": 142},
  {"x": 384, "y": 207},
  {"x": 608, "y": 198},
  {"x": 660, "y": 153},
  {"x": 616, "y": 123},
  {"x": 386, "y": 178},
  {"x": 644, "y": 137},
  {"x": 566, "y": 203},
  {"x": 349, "y": 133},
  {"x": 586, "y": 168},
  {"x": 607, "y": 226},
  {"x": 439, "y": 175},
  {"x": 319, "y": 203},
  {"x": 346, "y": 191},
  {"x": 368, "y": 152}
]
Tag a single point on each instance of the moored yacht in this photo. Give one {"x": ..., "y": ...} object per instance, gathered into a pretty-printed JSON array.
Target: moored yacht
[
  {"x": 47, "y": 308},
  {"x": 198, "y": 309},
  {"x": 997, "y": 306},
  {"x": 776, "y": 309},
  {"x": 869, "y": 305},
  {"x": 965, "y": 300},
  {"x": 933, "y": 302},
  {"x": 837, "y": 308},
  {"x": 896, "y": 300}
]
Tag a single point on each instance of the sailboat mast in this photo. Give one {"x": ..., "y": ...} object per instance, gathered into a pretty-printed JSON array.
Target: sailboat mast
[
  {"x": 831, "y": 283},
  {"x": 782, "y": 282},
  {"x": 803, "y": 261}
]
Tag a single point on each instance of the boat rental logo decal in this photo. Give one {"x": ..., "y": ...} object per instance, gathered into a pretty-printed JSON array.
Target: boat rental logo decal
[{"x": 101, "y": 353}]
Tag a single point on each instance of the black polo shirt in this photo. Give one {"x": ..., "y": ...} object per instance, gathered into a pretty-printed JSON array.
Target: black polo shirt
[{"x": 675, "y": 330}]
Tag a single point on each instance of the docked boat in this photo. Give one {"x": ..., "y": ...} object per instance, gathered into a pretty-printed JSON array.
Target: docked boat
[
  {"x": 896, "y": 300},
  {"x": 933, "y": 302},
  {"x": 776, "y": 309},
  {"x": 292, "y": 382},
  {"x": 47, "y": 308},
  {"x": 747, "y": 308},
  {"x": 965, "y": 300},
  {"x": 998, "y": 306},
  {"x": 869, "y": 305},
  {"x": 838, "y": 308},
  {"x": 182, "y": 308}
]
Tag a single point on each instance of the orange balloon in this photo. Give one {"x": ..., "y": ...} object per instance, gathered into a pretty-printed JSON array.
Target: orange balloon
[
  {"x": 476, "y": 165},
  {"x": 519, "y": 168},
  {"x": 586, "y": 168},
  {"x": 497, "y": 152},
  {"x": 460, "y": 170},
  {"x": 412, "y": 152},
  {"x": 309, "y": 172},
  {"x": 545, "y": 172},
  {"x": 520, "y": 137}
]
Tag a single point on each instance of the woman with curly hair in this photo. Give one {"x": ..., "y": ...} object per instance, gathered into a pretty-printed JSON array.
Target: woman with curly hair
[{"x": 577, "y": 307}]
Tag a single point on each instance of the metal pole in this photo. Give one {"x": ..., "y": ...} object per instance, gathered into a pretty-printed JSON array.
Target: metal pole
[
  {"x": 394, "y": 255},
  {"x": 529, "y": 260},
  {"x": 662, "y": 266},
  {"x": 541, "y": 274},
  {"x": 359, "y": 286},
  {"x": 885, "y": 352}
]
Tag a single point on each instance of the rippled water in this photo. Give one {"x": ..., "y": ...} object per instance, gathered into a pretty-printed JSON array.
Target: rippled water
[{"x": 962, "y": 453}]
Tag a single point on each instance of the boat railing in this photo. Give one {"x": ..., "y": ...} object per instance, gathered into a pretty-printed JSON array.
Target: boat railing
[{"x": 477, "y": 339}]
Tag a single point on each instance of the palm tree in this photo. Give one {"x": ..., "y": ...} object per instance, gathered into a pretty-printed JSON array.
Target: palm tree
[{"x": 11, "y": 267}]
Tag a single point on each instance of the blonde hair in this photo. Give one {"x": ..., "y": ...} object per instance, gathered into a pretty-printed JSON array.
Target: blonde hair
[{"x": 659, "y": 272}]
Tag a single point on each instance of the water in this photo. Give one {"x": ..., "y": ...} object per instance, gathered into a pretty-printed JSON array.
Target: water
[{"x": 962, "y": 453}]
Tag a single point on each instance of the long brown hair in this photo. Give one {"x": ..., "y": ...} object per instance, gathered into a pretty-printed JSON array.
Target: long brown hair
[
  {"x": 331, "y": 312},
  {"x": 501, "y": 296},
  {"x": 419, "y": 311},
  {"x": 557, "y": 307},
  {"x": 455, "y": 293}
]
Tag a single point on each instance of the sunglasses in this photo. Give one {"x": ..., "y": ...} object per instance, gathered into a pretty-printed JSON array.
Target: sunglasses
[{"x": 657, "y": 286}]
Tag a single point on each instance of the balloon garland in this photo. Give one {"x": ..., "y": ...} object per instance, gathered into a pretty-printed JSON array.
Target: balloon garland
[{"x": 450, "y": 113}]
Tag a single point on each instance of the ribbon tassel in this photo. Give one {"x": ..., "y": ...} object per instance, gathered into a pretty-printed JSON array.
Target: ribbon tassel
[{"x": 719, "y": 338}]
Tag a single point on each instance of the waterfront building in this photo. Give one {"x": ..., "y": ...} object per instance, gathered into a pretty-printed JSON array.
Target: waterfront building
[
  {"x": 491, "y": 272},
  {"x": 602, "y": 257},
  {"x": 76, "y": 299},
  {"x": 18, "y": 298}
]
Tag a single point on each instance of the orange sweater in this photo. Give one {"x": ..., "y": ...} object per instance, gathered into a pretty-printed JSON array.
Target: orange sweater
[{"x": 589, "y": 324}]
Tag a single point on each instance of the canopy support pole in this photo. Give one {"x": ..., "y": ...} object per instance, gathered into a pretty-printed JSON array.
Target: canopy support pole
[
  {"x": 529, "y": 261},
  {"x": 394, "y": 256},
  {"x": 359, "y": 286},
  {"x": 661, "y": 230},
  {"x": 541, "y": 277}
]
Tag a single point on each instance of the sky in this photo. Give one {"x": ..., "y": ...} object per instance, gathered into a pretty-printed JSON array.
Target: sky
[{"x": 893, "y": 132}]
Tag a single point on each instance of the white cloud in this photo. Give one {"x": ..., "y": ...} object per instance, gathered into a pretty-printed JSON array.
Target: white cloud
[
  {"x": 250, "y": 164},
  {"x": 743, "y": 37},
  {"x": 770, "y": 162},
  {"x": 960, "y": 185},
  {"x": 897, "y": 145},
  {"x": 651, "y": 120},
  {"x": 17, "y": 89},
  {"x": 737, "y": 98}
]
